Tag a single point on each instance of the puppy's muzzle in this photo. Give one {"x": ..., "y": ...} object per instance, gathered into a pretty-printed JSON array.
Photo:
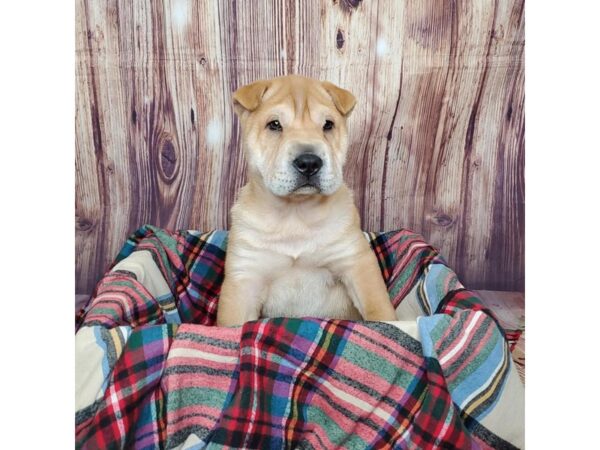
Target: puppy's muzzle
[{"x": 308, "y": 164}]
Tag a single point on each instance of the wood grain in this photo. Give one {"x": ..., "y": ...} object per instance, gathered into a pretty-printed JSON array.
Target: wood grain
[{"x": 437, "y": 139}]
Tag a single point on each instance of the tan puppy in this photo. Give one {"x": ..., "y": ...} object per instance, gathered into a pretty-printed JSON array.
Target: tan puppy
[{"x": 295, "y": 247}]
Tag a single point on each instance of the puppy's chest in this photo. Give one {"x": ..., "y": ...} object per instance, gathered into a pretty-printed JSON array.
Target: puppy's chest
[
  {"x": 302, "y": 290},
  {"x": 303, "y": 280},
  {"x": 299, "y": 266},
  {"x": 305, "y": 245}
]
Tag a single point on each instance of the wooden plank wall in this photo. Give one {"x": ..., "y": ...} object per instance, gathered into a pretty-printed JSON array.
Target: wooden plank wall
[{"x": 436, "y": 139}]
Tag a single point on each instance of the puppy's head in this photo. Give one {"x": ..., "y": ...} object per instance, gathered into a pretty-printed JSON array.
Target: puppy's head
[{"x": 294, "y": 133}]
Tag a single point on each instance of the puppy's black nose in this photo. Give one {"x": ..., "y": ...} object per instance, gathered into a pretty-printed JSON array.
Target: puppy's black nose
[{"x": 308, "y": 164}]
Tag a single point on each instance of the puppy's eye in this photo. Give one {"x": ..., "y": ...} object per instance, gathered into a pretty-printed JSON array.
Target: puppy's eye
[
  {"x": 274, "y": 125},
  {"x": 328, "y": 125}
]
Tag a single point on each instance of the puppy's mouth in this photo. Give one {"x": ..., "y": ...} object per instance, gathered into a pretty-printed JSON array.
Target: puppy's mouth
[{"x": 307, "y": 187}]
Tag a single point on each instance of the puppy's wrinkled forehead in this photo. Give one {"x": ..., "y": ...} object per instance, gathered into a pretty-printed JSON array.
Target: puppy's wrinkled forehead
[
  {"x": 288, "y": 103},
  {"x": 294, "y": 96}
]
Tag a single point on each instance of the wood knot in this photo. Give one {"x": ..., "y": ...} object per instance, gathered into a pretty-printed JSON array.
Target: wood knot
[
  {"x": 83, "y": 224},
  {"x": 349, "y": 5},
  {"x": 441, "y": 219},
  {"x": 168, "y": 160},
  {"x": 202, "y": 61},
  {"x": 498, "y": 33},
  {"x": 352, "y": 3},
  {"x": 339, "y": 39}
]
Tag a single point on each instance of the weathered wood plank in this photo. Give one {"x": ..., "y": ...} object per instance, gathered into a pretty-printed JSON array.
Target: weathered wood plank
[{"x": 436, "y": 140}]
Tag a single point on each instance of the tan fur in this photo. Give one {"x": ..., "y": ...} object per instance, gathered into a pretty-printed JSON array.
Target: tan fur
[{"x": 299, "y": 252}]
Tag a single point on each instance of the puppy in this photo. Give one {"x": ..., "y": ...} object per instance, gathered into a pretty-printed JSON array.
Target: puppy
[{"x": 295, "y": 246}]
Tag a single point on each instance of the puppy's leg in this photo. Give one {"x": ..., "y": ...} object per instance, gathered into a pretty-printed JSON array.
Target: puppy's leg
[
  {"x": 239, "y": 301},
  {"x": 367, "y": 289}
]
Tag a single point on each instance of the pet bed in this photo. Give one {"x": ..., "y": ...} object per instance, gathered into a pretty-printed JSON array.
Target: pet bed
[{"x": 152, "y": 370}]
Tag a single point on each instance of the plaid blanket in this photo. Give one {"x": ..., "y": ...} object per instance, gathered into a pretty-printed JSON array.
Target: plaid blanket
[{"x": 152, "y": 370}]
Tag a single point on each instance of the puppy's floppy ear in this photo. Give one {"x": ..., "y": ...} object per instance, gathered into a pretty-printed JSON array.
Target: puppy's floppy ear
[
  {"x": 344, "y": 100},
  {"x": 248, "y": 97}
]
